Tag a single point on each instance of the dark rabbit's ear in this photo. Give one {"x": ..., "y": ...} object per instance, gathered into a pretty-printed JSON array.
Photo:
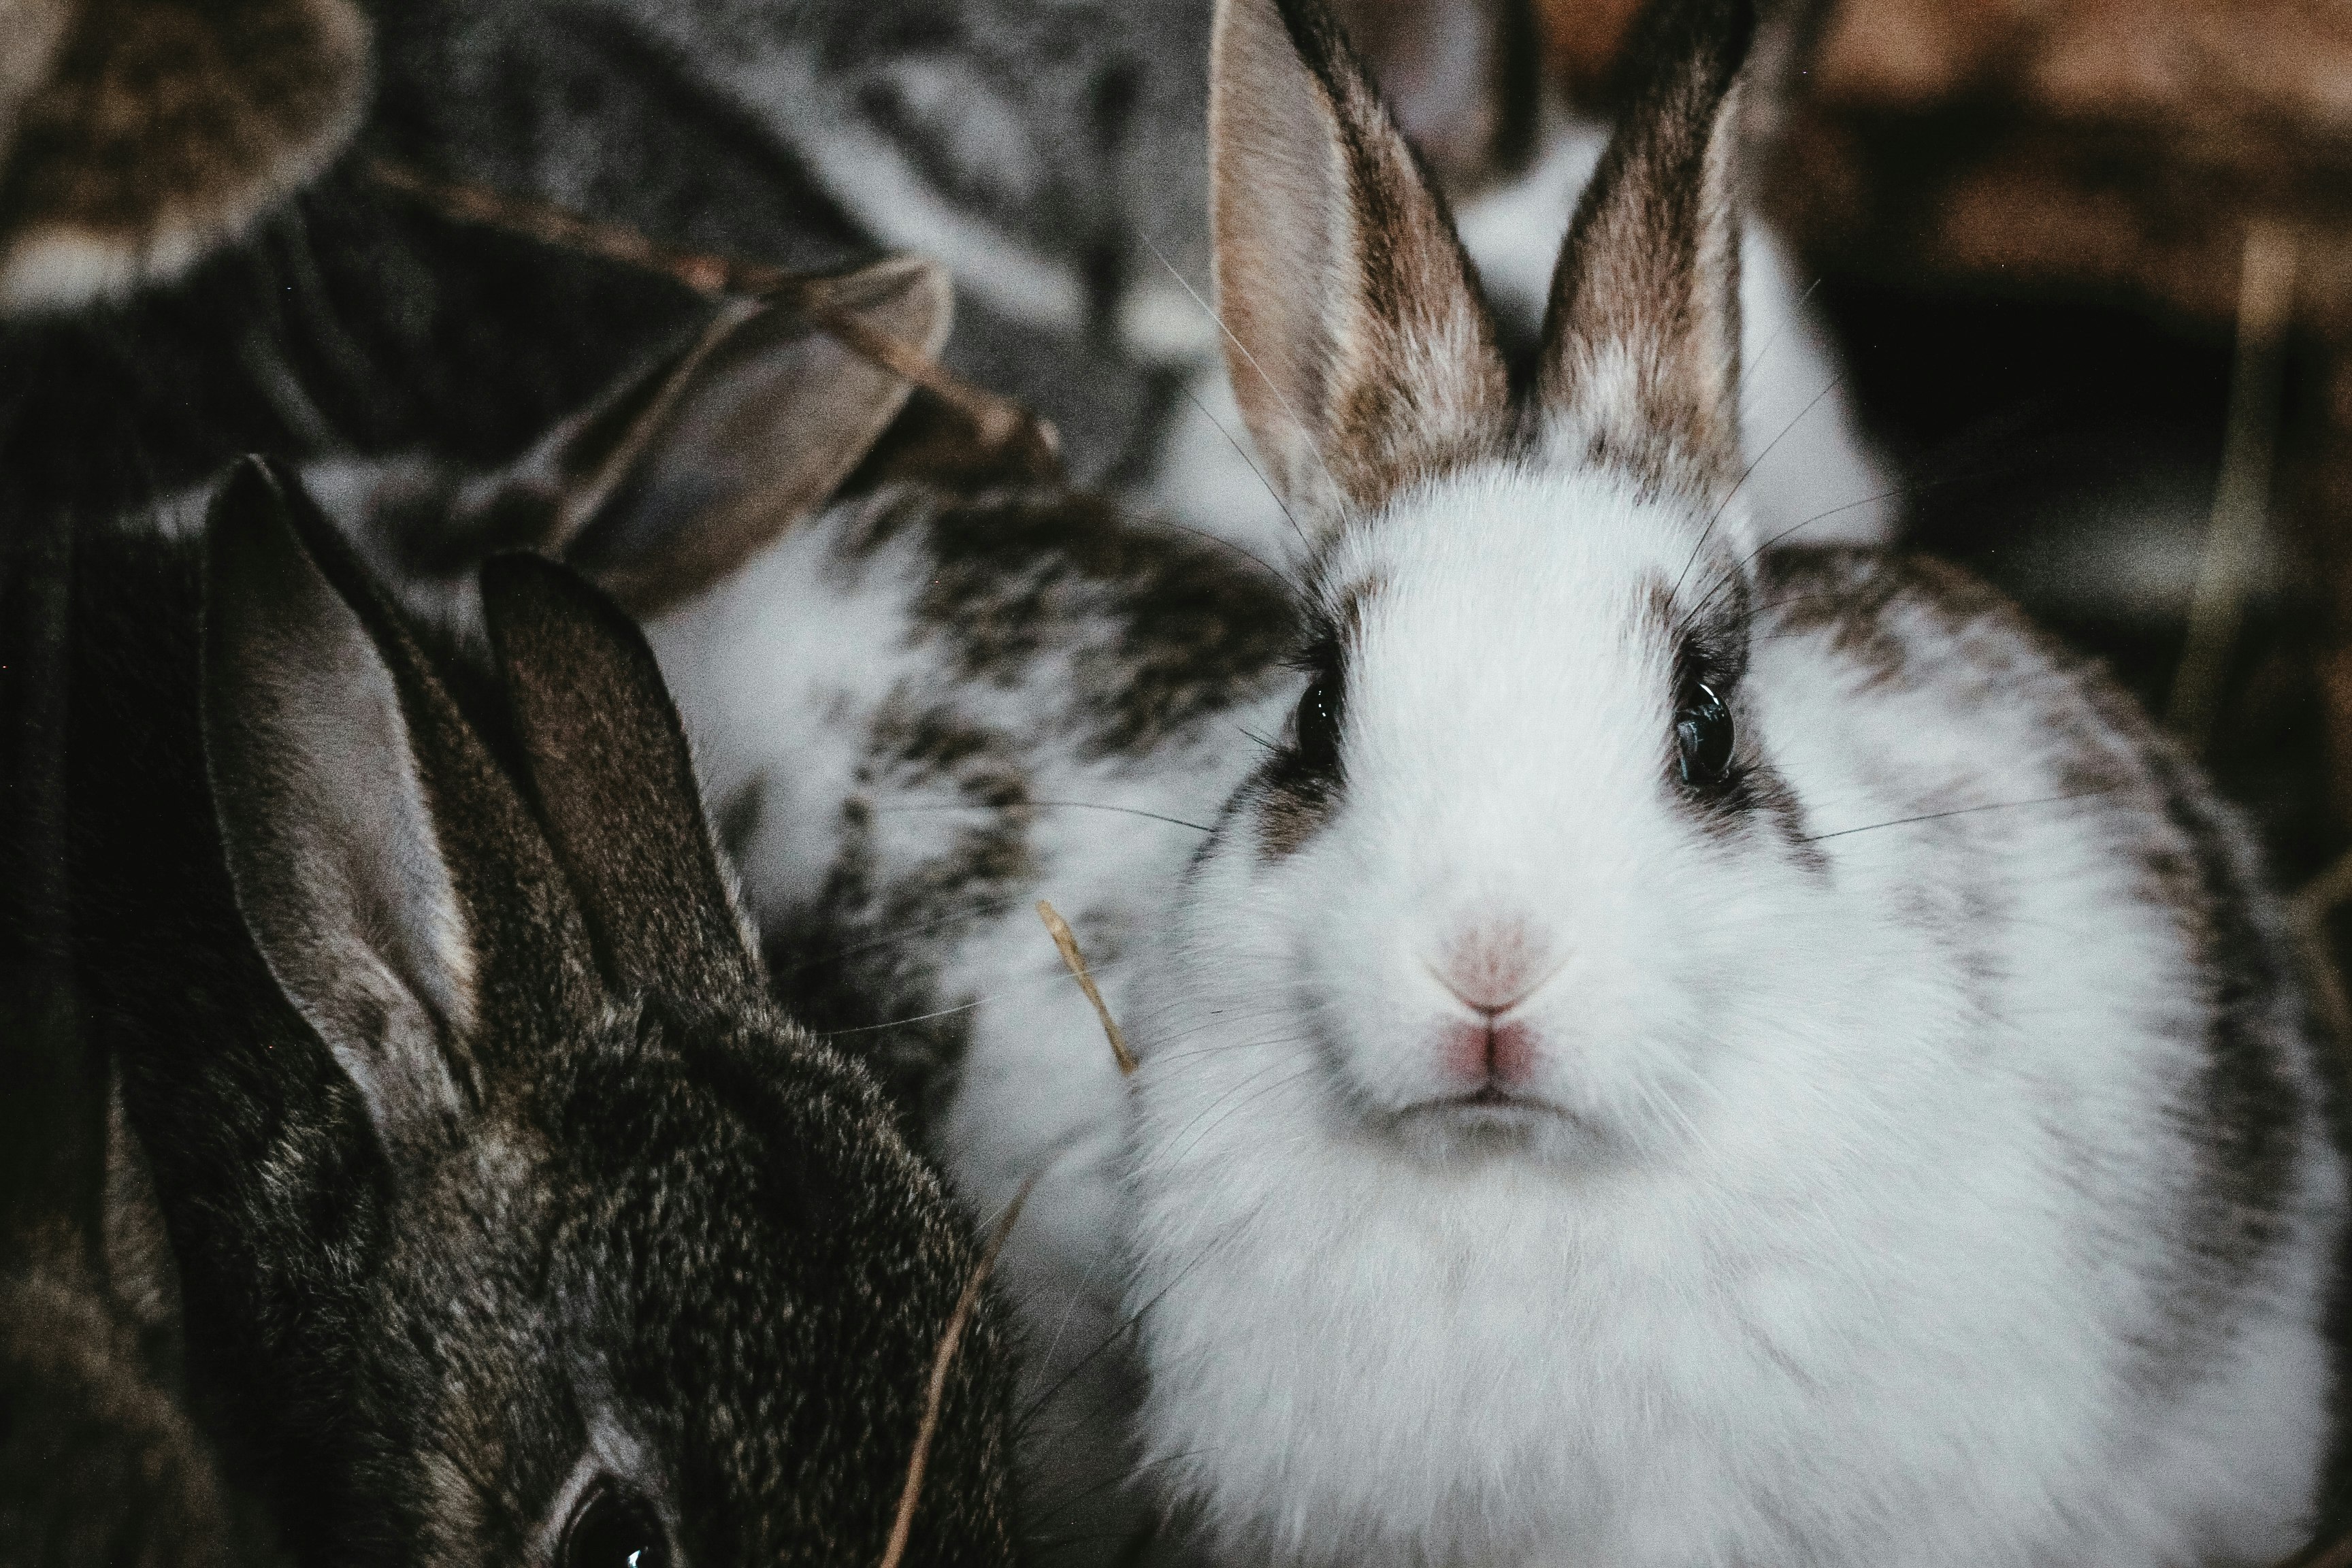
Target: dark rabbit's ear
[
  {"x": 1640, "y": 346},
  {"x": 608, "y": 761},
  {"x": 1463, "y": 77},
  {"x": 1359, "y": 350},
  {"x": 337, "y": 861},
  {"x": 687, "y": 474},
  {"x": 136, "y": 135}
]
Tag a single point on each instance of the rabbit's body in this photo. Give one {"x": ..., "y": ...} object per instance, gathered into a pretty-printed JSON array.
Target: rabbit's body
[
  {"x": 468, "y": 1119},
  {"x": 1971, "y": 1202}
]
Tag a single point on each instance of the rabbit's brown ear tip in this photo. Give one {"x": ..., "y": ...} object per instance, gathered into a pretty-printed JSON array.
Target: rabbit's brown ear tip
[
  {"x": 516, "y": 574},
  {"x": 513, "y": 572},
  {"x": 521, "y": 588},
  {"x": 136, "y": 143}
]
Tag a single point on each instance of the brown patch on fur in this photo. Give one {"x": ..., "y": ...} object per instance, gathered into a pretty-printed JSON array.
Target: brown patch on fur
[
  {"x": 99, "y": 1461},
  {"x": 1289, "y": 816},
  {"x": 1640, "y": 341},
  {"x": 162, "y": 128},
  {"x": 840, "y": 962},
  {"x": 1361, "y": 355},
  {"x": 34, "y": 31},
  {"x": 1160, "y": 629}
]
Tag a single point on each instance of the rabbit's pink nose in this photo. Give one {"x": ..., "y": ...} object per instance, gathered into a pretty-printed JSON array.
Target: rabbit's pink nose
[{"x": 1491, "y": 967}]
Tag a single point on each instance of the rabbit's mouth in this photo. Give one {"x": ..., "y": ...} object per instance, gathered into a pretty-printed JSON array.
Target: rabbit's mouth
[
  {"x": 1495, "y": 1111},
  {"x": 1493, "y": 1117}
]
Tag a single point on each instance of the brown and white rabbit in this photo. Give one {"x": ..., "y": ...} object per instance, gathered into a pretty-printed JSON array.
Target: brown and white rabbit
[
  {"x": 1686, "y": 1055},
  {"x": 511, "y": 1222}
]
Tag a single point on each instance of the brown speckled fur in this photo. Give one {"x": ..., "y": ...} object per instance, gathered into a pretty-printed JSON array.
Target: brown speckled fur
[
  {"x": 153, "y": 130},
  {"x": 661, "y": 1203}
]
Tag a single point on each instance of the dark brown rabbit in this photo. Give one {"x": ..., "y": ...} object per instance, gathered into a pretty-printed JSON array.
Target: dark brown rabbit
[{"x": 512, "y": 1224}]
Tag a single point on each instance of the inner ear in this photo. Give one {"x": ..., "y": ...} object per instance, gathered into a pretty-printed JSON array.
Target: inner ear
[
  {"x": 1640, "y": 363},
  {"x": 331, "y": 840},
  {"x": 753, "y": 431},
  {"x": 1360, "y": 353}
]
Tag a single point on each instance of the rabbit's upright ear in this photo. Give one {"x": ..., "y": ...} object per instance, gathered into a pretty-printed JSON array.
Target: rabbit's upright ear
[
  {"x": 1359, "y": 348},
  {"x": 1640, "y": 365},
  {"x": 332, "y": 843},
  {"x": 608, "y": 762}
]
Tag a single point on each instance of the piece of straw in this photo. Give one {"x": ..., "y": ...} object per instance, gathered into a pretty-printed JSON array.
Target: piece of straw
[
  {"x": 903, "y": 1526},
  {"x": 2266, "y": 300},
  {"x": 1059, "y": 929}
]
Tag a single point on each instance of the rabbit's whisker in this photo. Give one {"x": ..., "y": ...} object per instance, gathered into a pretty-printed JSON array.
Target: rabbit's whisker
[
  {"x": 886, "y": 938},
  {"x": 1733, "y": 494},
  {"x": 1288, "y": 516},
  {"x": 1025, "y": 805},
  {"x": 1773, "y": 341},
  {"x": 1338, "y": 494},
  {"x": 1029, "y": 1413},
  {"x": 1240, "y": 1105},
  {"x": 1736, "y": 571},
  {"x": 1280, "y": 578},
  {"x": 1033, "y": 983},
  {"x": 1956, "y": 811}
]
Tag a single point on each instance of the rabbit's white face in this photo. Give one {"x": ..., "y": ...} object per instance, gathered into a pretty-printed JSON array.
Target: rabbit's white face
[{"x": 1522, "y": 855}]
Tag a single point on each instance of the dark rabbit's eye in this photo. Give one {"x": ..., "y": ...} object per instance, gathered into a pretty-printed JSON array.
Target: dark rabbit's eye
[
  {"x": 1318, "y": 723},
  {"x": 614, "y": 1528},
  {"x": 1703, "y": 736}
]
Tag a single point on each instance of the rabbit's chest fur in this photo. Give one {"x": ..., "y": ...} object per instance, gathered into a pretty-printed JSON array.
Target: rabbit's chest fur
[{"x": 2043, "y": 1284}]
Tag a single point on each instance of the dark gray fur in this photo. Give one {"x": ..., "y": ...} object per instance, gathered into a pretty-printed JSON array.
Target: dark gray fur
[{"x": 660, "y": 1200}]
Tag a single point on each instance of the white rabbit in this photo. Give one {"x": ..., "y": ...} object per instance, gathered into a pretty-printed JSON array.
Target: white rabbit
[{"x": 1685, "y": 1057}]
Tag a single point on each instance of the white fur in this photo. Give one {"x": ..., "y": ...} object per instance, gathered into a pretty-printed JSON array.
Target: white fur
[
  {"x": 1839, "y": 1252},
  {"x": 1838, "y": 1212}
]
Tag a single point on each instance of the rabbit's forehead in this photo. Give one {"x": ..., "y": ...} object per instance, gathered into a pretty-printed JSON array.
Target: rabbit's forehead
[{"x": 1513, "y": 575}]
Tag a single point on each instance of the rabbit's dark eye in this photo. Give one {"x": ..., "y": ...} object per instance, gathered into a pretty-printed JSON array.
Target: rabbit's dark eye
[
  {"x": 614, "y": 1528},
  {"x": 1702, "y": 737},
  {"x": 1318, "y": 723}
]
